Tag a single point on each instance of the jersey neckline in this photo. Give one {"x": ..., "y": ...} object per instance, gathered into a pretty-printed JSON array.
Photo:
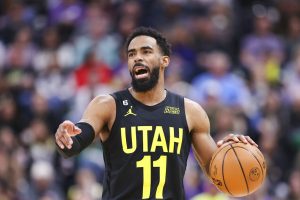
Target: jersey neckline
[{"x": 158, "y": 105}]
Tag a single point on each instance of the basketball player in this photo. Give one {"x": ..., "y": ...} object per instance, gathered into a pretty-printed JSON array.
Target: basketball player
[{"x": 146, "y": 131}]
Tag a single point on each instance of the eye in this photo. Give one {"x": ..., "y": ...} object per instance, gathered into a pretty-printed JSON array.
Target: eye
[
  {"x": 130, "y": 54},
  {"x": 147, "y": 51}
]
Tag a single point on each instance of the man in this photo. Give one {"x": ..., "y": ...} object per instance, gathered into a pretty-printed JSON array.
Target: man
[{"x": 146, "y": 131}]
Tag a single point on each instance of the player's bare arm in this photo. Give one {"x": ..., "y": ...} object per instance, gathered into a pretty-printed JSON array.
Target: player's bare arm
[
  {"x": 203, "y": 144},
  {"x": 100, "y": 114},
  {"x": 96, "y": 120}
]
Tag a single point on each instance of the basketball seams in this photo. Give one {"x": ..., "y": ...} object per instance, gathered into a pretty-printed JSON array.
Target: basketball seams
[
  {"x": 223, "y": 177},
  {"x": 240, "y": 167},
  {"x": 261, "y": 168},
  {"x": 216, "y": 153},
  {"x": 259, "y": 154}
]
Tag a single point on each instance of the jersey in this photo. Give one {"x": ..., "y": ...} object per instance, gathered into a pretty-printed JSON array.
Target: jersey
[{"x": 146, "y": 153}]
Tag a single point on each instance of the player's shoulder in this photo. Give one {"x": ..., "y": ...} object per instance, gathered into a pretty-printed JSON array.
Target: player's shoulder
[
  {"x": 196, "y": 116},
  {"x": 191, "y": 105},
  {"x": 194, "y": 110},
  {"x": 103, "y": 100}
]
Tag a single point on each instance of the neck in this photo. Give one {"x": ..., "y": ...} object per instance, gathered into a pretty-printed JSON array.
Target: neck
[{"x": 151, "y": 97}]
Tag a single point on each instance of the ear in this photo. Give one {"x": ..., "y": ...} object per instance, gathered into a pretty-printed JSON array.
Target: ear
[{"x": 165, "y": 61}]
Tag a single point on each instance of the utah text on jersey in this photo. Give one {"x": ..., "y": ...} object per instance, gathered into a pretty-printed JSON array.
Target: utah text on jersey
[{"x": 159, "y": 139}]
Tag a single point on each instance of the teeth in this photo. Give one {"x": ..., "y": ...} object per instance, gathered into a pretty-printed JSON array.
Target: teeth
[{"x": 140, "y": 70}]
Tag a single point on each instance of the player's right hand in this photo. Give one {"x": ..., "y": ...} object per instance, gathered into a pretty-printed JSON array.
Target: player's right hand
[{"x": 64, "y": 133}]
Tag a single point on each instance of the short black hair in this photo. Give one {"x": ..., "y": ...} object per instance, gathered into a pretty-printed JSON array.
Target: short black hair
[{"x": 147, "y": 31}]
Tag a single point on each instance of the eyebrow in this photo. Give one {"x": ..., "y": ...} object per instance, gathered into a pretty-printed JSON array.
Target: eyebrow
[{"x": 142, "y": 48}]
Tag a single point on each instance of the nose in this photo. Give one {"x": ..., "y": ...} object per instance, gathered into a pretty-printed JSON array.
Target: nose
[{"x": 138, "y": 58}]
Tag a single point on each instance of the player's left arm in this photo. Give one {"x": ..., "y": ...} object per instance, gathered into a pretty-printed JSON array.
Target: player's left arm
[
  {"x": 203, "y": 144},
  {"x": 199, "y": 126}
]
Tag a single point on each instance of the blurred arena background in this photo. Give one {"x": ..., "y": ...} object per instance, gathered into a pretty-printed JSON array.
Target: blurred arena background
[{"x": 240, "y": 59}]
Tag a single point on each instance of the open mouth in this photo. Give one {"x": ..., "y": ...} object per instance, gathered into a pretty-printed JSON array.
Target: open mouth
[{"x": 140, "y": 72}]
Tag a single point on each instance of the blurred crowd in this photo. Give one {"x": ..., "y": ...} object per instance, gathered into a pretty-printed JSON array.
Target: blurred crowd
[{"x": 240, "y": 59}]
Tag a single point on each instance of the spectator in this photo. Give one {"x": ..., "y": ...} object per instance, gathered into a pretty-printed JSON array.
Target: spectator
[
  {"x": 66, "y": 14},
  {"x": 96, "y": 36},
  {"x": 54, "y": 77},
  {"x": 37, "y": 138},
  {"x": 92, "y": 69},
  {"x": 261, "y": 42},
  {"x": 293, "y": 34},
  {"x": 21, "y": 52},
  {"x": 52, "y": 48},
  {"x": 218, "y": 82},
  {"x": 42, "y": 185},
  {"x": 9, "y": 115},
  {"x": 291, "y": 76},
  {"x": 86, "y": 186},
  {"x": 14, "y": 18},
  {"x": 294, "y": 183},
  {"x": 263, "y": 49}
]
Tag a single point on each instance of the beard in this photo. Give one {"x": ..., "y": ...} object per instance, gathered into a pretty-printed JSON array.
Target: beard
[{"x": 145, "y": 84}]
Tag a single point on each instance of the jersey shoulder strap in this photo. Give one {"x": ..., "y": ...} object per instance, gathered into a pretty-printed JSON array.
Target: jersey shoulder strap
[{"x": 117, "y": 95}]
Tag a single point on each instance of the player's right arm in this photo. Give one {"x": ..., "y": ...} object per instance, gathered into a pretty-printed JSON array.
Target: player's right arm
[{"x": 98, "y": 117}]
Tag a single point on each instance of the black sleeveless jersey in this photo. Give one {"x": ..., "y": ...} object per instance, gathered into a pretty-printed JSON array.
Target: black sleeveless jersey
[{"x": 147, "y": 150}]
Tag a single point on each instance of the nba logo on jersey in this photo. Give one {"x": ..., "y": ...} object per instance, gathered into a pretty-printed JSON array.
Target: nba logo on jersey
[{"x": 125, "y": 102}]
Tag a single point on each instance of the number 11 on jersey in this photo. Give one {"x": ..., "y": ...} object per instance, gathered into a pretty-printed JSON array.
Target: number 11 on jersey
[{"x": 146, "y": 164}]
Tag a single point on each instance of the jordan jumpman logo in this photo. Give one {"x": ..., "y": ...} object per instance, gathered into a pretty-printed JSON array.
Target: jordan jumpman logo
[{"x": 129, "y": 112}]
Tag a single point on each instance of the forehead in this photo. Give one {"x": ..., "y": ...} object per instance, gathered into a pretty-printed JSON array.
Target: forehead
[{"x": 142, "y": 41}]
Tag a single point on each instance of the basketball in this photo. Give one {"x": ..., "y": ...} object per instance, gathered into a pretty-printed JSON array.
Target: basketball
[{"x": 238, "y": 169}]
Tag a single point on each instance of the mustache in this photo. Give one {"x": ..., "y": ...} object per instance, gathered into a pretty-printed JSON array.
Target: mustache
[{"x": 140, "y": 64}]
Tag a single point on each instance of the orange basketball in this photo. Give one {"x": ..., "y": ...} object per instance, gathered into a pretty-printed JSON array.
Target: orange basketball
[{"x": 238, "y": 169}]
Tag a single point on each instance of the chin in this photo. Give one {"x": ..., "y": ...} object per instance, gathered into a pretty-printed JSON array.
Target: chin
[
  {"x": 146, "y": 83},
  {"x": 143, "y": 85}
]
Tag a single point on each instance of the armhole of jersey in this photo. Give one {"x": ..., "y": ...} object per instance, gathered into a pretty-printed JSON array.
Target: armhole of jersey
[{"x": 184, "y": 113}]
